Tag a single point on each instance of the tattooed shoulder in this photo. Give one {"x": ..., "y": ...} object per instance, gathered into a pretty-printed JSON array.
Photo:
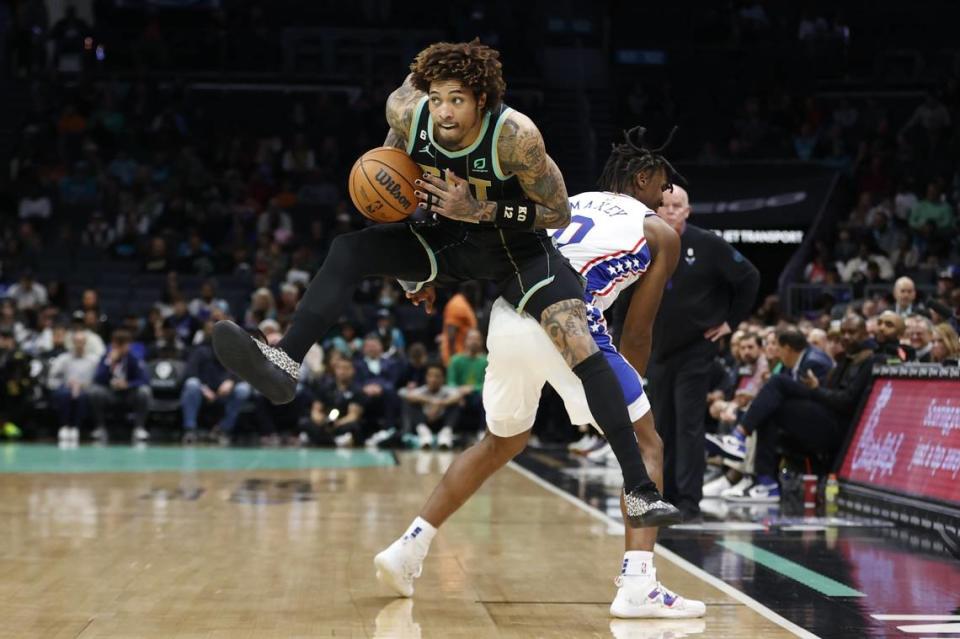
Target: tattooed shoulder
[
  {"x": 522, "y": 153},
  {"x": 400, "y": 107}
]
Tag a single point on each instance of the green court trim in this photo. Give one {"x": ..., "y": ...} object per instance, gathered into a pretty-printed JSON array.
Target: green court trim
[
  {"x": 42, "y": 458},
  {"x": 821, "y": 583}
]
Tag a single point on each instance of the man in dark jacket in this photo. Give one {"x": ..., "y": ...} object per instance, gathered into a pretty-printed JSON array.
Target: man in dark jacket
[
  {"x": 813, "y": 417},
  {"x": 208, "y": 382},
  {"x": 712, "y": 289},
  {"x": 121, "y": 379},
  {"x": 798, "y": 356}
]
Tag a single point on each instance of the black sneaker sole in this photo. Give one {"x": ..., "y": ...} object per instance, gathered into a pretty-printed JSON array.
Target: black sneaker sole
[
  {"x": 235, "y": 349},
  {"x": 656, "y": 518}
]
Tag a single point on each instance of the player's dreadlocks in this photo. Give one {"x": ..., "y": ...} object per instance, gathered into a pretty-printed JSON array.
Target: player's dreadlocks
[
  {"x": 476, "y": 65},
  {"x": 631, "y": 157}
]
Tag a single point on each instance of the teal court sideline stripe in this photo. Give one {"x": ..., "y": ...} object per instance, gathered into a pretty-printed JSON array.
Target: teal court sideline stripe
[
  {"x": 790, "y": 569},
  {"x": 39, "y": 458}
]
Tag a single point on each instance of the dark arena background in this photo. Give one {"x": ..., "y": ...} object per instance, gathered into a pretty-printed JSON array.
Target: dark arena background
[{"x": 169, "y": 164}]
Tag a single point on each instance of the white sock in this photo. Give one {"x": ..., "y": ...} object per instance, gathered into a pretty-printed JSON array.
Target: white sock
[
  {"x": 638, "y": 563},
  {"x": 421, "y": 531}
]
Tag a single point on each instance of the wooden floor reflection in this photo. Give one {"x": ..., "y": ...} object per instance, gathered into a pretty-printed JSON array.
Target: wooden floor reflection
[{"x": 238, "y": 554}]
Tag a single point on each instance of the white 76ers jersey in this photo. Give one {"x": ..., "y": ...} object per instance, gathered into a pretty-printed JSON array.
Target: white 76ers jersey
[{"x": 604, "y": 242}]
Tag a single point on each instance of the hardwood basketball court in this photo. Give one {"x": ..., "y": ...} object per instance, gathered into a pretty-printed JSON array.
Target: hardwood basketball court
[{"x": 109, "y": 549}]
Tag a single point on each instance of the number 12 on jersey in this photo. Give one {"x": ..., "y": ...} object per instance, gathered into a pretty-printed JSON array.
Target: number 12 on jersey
[{"x": 576, "y": 230}]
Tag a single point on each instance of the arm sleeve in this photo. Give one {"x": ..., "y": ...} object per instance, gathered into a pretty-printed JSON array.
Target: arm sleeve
[{"x": 744, "y": 280}]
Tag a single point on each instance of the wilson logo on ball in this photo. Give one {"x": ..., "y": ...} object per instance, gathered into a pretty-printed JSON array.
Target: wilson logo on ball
[{"x": 392, "y": 188}]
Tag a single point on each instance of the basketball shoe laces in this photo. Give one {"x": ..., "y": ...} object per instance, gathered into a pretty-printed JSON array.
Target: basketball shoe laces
[{"x": 659, "y": 593}]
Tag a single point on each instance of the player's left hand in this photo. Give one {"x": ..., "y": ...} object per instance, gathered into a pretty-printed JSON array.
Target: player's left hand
[
  {"x": 427, "y": 295},
  {"x": 810, "y": 380},
  {"x": 450, "y": 198},
  {"x": 715, "y": 333}
]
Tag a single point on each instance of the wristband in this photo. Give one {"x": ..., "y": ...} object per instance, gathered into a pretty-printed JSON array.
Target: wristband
[{"x": 515, "y": 214}]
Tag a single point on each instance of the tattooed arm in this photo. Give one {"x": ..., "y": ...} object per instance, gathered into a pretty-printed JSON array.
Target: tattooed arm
[
  {"x": 400, "y": 108},
  {"x": 521, "y": 152}
]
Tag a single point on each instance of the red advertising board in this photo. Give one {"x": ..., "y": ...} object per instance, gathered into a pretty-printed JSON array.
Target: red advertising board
[{"x": 908, "y": 439}]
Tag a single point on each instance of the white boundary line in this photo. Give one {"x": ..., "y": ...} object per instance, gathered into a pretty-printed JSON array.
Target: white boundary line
[{"x": 673, "y": 558}]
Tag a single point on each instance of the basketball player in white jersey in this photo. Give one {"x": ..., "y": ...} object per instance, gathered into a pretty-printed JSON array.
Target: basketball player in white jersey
[{"x": 614, "y": 239}]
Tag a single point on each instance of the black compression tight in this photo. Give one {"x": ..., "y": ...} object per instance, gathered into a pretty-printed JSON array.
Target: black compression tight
[
  {"x": 605, "y": 399},
  {"x": 390, "y": 250}
]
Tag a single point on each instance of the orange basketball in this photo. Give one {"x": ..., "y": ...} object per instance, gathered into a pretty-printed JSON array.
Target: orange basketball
[{"x": 381, "y": 184}]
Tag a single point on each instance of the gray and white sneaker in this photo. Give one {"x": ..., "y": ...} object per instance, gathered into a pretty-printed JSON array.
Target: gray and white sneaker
[
  {"x": 646, "y": 508},
  {"x": 713, "y": 488},
  {"x": 738, "y": 490}
]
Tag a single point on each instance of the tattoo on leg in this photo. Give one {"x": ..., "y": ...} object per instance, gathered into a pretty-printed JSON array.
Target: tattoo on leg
[{"x": 566, "y": 324}]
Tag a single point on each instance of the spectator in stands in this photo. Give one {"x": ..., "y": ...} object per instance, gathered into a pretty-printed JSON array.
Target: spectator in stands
[
  {"x": 167, "y": 343},
  {"x": 287, "y": 304},
  {"x": 70, "y": 377},
  {"x": 68, "y": 35},
  {"x": 275, "y": 222},
  {"x": 905, "y": 296},
  {"x": 184, "y": 323},
  {"x": 466, "y": 372},
  {"x": 919, "y": 334},
  {"x": 889, "y": 333},
  {"x": 208, "y": 383},
  {"x": 415, "y": 372},
  {"x": 753, "y": 368},
  {"x": 336, "y": 414},
  {"x": 120, "y": 380},
  {"x": 458, "y": 319},
  {"x": 35, "y": 203},
  {"x": 932, "y": 209},
  {"x": 432, "y": 408},
  {"x": 299, "y": 158},
  {"x": 157, "y": 260},
  {"x": 945, "y": 345},
  {"x": 818, "y": 339},
  {"x": 262, "y": 306},
  {"x": 201, "y": 307},
  {"x": 947, "y": 282},
  {"x": 857, "y": 267},
  {"x": 95, "y": 347},
  {"x": 27, "y": 293},
  {"x": 347, "y": 342},
  {"x": 15, "y": 389},
  {"x": 194, "y": 255},
  {"x": 391, "y": 336},
  {"x": 809, "y": 417},
  {"x": 378, "y": 377},
  {"x": 800, "y": 356}
]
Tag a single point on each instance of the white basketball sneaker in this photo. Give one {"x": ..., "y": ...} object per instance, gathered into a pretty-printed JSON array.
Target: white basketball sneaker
[
  {"x": 643, "y": 597},
  {"x": 400, "y": 564}
]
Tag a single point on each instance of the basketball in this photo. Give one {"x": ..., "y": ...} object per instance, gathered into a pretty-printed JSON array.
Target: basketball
[{"x": 381, "y": 184}]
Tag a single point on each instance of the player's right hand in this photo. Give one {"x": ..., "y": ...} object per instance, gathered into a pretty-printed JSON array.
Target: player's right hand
[{"x": 427, "y": 295}]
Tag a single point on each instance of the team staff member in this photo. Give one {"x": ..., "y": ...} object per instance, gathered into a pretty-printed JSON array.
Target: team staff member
[{"x": 713, "y": 288}]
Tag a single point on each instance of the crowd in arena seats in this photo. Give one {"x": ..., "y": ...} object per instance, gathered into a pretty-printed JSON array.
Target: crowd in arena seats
[
  {"x": 139, "y": 212},
  {"x": 792, "y": 389}
]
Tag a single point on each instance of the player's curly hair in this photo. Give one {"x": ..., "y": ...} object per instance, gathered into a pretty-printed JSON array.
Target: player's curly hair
[
  {"x": 631, "y": 157},
  {"x": 476, "y": 65}
]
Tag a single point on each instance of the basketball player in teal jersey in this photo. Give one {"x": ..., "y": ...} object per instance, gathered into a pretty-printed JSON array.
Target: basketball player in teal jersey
[{"x": 491, "y": 189}]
